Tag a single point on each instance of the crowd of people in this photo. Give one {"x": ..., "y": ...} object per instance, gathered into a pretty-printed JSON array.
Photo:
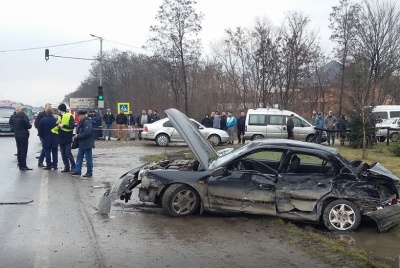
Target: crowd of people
[
  {"x": 127, "y": 124},
  {"x": 55, "y": 132},
  {"x": 334, "y": 126},
  {"x": 226, "y": 121}
]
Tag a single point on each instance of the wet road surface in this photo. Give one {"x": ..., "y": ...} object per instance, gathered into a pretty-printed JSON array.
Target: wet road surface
[{"x": 61, "y": 227}]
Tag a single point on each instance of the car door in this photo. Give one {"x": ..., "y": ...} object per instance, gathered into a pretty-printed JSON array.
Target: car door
[
  {"x": 248, "y": 184},
  {"x": 301, "y": 185},
  {"x": 242, "y": 191}
]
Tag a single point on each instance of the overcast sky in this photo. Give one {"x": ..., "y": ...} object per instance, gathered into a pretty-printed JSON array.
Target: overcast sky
[{"x": 26, "y": 77}]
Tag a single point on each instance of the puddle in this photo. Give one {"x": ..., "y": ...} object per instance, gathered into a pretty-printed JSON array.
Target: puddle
[{"x": 381, "y": 246}]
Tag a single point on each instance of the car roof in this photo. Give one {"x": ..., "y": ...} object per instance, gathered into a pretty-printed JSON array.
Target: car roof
[{"x": 298, "y": 145}]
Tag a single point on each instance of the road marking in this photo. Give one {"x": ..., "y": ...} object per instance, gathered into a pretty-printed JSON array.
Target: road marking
[{"x": 42, "y": 256}]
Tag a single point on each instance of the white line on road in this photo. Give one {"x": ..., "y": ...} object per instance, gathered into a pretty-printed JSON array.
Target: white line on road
[{"x": 42, "y": 256}]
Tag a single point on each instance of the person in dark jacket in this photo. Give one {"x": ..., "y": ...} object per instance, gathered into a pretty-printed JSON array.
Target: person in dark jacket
[
  {"x": 223, "y": 121},
  {"x": 37, "y": 120},
  {"x": 49, "y": 139},
  {"x": 241, "y": 123},
  {"x": 207, "y": 121},
  {"x": 66, "y": 125},
  {"x": 290, "y": 127},
  {"x": 10, "y": 121},
  {"x": 86, "y": 144},
  {"x": 97, "y": 122},
  {"x": 122, "y": 122},
  {"x": 131, "y": 125},
  {"x": 342, "y": 126},
  {"x": 108, "y": 119},
  {"x": 21, "y": 126},
  {"x": 156, "y": 116}
]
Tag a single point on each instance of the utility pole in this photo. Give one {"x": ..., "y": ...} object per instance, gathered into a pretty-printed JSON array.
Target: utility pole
[
  {"x": 101, "y": 57},
  {"x": 100, "y": 103}
]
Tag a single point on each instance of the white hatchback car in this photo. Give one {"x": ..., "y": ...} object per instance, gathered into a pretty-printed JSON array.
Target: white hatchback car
[{"x": 162, "y": 132}]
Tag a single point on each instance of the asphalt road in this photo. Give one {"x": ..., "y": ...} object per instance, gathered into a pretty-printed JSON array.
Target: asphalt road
[{"x": 62, "y": 229}]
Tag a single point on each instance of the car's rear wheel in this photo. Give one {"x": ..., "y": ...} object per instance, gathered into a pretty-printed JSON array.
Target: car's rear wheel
[
  {"x": 394, "y": 137},
  {"x": 257, "y": 137},
  {"x": 341, "y": 216},
  {"x": 214, "y": 140},
  {"x": 180, "y": 200},
  {"x": 162, "y": 140}
]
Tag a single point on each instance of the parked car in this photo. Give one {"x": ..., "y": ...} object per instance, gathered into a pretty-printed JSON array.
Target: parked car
[
  {"x": 381, "y": 134},
  {"x": 163, "y": 132},
  {"x": 386, "y": 111},
  {"x": 271, "y": 124},
  {"x": 5, "y": 114},
  {"x": 284, "y": 178}
]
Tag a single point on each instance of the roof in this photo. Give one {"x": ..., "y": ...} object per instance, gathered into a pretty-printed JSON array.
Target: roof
[{"x": 299, "y": 145}]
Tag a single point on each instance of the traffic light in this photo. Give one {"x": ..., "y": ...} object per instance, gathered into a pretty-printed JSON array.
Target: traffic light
[
  {"x": 46, "y": 54},
  {"x": 100, "y": 95}
]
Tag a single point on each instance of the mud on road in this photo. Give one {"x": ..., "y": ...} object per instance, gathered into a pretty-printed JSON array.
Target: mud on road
[{"x": 141, "y": 235}]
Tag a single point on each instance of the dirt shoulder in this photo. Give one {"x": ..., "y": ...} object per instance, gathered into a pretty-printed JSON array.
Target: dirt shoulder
[{"x": 142, "y": 235}]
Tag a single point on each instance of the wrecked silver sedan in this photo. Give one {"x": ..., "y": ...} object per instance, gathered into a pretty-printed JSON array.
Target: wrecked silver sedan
[{"x": 289, "y": 179}]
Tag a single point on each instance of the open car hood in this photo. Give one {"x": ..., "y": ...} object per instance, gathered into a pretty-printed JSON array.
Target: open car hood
[{"x": 201, "y": 148}]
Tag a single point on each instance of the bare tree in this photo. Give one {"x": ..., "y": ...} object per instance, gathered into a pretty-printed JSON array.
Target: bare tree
[
  {"x": 175, "y": 41},
  {"x": 343, "y": 22}
]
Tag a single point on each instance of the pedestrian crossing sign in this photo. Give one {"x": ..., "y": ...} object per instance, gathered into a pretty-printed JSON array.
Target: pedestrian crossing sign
[{"x": 123, "y": 106}]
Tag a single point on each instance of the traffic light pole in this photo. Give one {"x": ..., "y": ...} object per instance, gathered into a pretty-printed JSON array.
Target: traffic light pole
[{"x": 100, "y": 103}]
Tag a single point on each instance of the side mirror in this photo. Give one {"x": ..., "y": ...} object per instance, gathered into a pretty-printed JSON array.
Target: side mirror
[
  {"x": 219, "y": 172},
  {"x": 200, "y": 127}
]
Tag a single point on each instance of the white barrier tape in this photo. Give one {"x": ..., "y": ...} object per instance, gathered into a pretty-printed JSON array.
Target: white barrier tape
[{"x": 136, "y": 129}]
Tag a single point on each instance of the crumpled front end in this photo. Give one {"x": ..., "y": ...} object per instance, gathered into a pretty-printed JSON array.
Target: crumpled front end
[{"x": 120, "y": 189}]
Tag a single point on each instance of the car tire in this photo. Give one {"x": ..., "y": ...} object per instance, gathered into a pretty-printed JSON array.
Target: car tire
[
  {"x": 310, "y": 137},
  {"x": 180, "y": 200},
  {"x": 162, "y": 140},
  {"x": 214, "y": 140},
  {"x": 394, "y": 137},
  {"x": 341, "y": 216},
  {"x": 257, "y": 137}
]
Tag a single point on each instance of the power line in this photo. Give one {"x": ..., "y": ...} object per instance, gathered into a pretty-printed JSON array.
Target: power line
[
  {"x": 35, "y": 48},
  {"x": 70, "y": 57},
  {"x": 125, "y": 44}
]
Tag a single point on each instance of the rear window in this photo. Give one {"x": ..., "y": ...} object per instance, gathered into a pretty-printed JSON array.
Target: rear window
[
  {"x": 257, "y": 119},
  {"x": 167, "y": 124}
]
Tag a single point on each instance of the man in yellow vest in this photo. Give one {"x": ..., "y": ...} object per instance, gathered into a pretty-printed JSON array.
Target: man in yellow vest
[{"x": 66, "y": 125}]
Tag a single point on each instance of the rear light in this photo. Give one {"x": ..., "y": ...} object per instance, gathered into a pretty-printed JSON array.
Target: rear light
[
  {"x": 145, "y": 128},
  {"x": 245, "y": 128},
  {"x": 389, "y": 202}
]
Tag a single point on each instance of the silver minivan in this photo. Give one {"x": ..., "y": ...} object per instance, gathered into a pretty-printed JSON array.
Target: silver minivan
[{"x": 271, "y": 123}]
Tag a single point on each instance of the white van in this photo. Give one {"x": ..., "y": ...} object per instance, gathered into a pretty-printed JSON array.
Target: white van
[
  {"x": 271, "y": 123},
  {"x": 386, "y": 111}
]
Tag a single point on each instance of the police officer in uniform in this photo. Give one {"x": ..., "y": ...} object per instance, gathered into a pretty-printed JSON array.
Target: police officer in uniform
[{"x": 65, "y": 127}]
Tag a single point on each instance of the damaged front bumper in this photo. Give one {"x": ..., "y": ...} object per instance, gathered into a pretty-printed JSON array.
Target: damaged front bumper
[
  {"x": 387, "y": 217},
  {"x": 121, "y": 189}
]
